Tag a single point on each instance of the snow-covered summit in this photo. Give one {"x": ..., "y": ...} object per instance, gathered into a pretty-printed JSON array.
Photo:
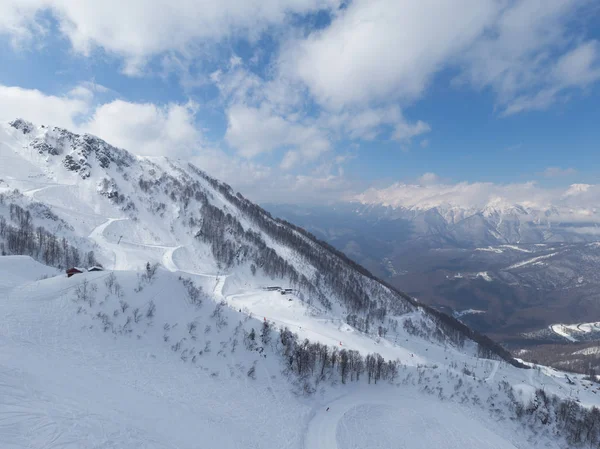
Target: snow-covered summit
[{"x": 514, "y": 213}]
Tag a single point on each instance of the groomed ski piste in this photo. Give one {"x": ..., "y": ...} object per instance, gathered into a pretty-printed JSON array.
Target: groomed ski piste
[{"x": 122, "y": 358}]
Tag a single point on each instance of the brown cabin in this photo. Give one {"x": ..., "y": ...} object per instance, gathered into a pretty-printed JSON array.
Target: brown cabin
[{"x": 72, "y": 271}]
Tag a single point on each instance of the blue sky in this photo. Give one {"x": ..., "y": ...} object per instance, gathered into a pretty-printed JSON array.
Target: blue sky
[{"x": 318, "y": 100}]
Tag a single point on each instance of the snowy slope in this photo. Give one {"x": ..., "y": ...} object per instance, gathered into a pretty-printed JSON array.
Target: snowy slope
[
  {"x": 132, "y": 211},
  {"x": 67, "y": 381},
  {"x": 173, "y": 355}
]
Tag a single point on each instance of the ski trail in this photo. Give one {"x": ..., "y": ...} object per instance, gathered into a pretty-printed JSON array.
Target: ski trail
[
  {"x": 530, "y": 376},
  {"x": 167, "y": 259},
  {"x": 494, "y": 371},
  {"x": 31, "y": 193},
  {"x": 219, "y": 285},
  {"x": 97, "y": 235},
  {"x": 446, "y": 425}
]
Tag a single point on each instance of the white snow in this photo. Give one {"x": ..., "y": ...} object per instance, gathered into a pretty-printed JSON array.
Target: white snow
[
  {"x": 490, "y": 249},
  {"x": 589, "y": 351},
  {"x": 289, "y": 311},
  {"x": 484, "y": 275},
  {"x": 562, "y": 330},
  {"x": 516, "y": 248},
  {"x": 77, "y": 373},
  {"x": 572, "y": 332},
  {"x": 535, "y": 260},
  {"x": 468, "y": 312},
  {"x": 378, "y": 419}
]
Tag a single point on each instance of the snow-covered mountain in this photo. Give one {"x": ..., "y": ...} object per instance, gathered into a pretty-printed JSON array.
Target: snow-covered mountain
[
  {"x": 481, "y": 213},
  {"x": 212, "y": 324}
]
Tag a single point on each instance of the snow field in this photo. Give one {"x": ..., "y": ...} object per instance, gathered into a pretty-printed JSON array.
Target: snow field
[
  {"x": 143, "y": 365},
  {"x": 66, "y": 382}
]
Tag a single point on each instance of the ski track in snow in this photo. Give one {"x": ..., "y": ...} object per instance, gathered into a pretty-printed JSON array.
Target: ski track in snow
[
  {"x": 415, "y": 423},
  {"x": 97, "y": 235},
  {"x": 494, "y": 371}
]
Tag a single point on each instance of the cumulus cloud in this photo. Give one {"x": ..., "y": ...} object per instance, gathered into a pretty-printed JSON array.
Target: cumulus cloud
[
  {"x": 138, "y": 30},
  {"x": 377, "y": 49},
  {"x": 258, "y": 130},
  {"x": 355, "y": 79},
  {"x": 429, "y": 178},
  {"x": 169, "y": 130},
  {"x": 147, "y": 129},
  {"x": 36, "y": 106},
  {"x": 530, "y": 56},
  {"x": 382, "y": 50},
  {"x": 142, "y": 128},
  {"x": 404, "y": 131}
]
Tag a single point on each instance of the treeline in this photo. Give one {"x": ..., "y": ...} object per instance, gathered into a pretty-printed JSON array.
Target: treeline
[
  {"x": 19, "y": 236},
  {"x": 337, "y": 273},
  {"x": 579, "y": 425},
  {"x": 312, "y": 360},
  {"x": 581, "y": 358}
]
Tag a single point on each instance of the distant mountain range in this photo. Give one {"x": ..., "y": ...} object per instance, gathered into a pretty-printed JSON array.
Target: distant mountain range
[{"x": 524, "y": 266}]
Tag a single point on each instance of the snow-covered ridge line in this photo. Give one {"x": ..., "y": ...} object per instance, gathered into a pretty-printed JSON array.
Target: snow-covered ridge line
[
  {"x": 579, "y": 200},
  {"x": 531, "y": 261},
  {"x": 135, "y": 211}
]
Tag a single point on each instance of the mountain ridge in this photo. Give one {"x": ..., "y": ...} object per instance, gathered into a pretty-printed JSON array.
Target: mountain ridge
[
  {"x": 186, "y": 258},
  {"x": 231, "y": 229}
]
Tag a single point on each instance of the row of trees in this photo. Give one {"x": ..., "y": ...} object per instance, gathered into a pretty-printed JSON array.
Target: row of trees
[
  {"x": 318, "y": 361},
  {"x": 20, "y": 236}
]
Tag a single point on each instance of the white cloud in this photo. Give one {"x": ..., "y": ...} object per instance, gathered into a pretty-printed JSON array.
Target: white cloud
[
  {"x": 147, "y": 129},
  {"x": 169, "y": 130},
  {"x": 266, "y": 115},
  {"x": 555, "y": 172},
  {"x": 579, "y": 67},
  {"x": 530, "y": 56},
  {"x": 429, "y": 178},
  {"x": 405, "y": 131},
  {"x": 379, "y": 50},
  {"x": 38, "y": 107},
  {"x": 254, "y": 131},
  {"x": 142, "y": 128},
  {"x": 138, "y": 29}
]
